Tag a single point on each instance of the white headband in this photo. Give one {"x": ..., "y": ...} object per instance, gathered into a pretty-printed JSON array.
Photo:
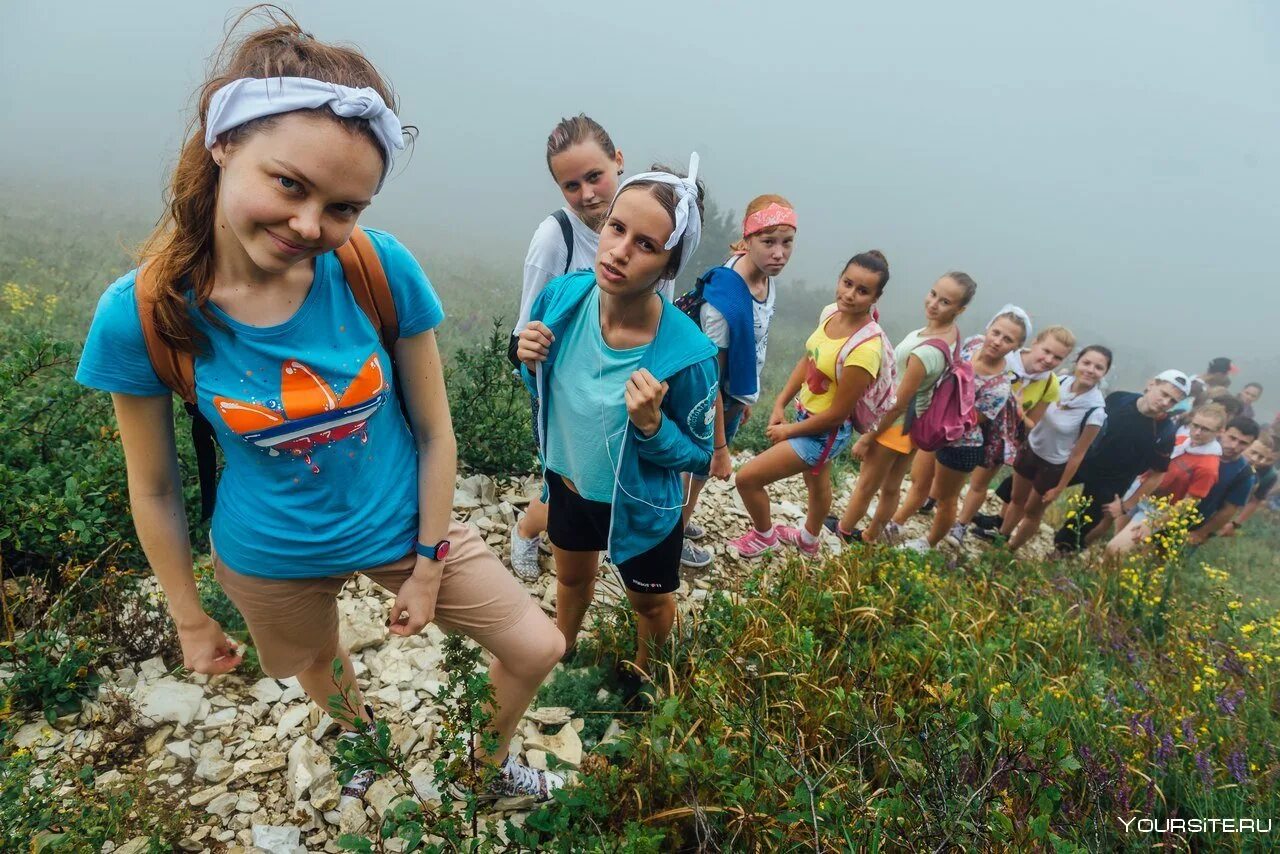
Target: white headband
[
  {"x": 1010, "y": 308},
  {"x": 252, "y": 98},
  {"x": 688, "y": 220}
]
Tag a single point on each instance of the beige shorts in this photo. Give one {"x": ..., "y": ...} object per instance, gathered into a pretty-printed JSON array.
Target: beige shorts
[{"x": 294, "y": 621}]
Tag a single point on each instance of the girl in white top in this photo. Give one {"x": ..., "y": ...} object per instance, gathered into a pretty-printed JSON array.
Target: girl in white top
[
  {"x": 1055, "y": 447},
  {"x": 585, "y": 165}
]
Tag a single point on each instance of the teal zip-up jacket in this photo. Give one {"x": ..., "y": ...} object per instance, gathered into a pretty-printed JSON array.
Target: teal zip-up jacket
[{"x": 648, "y": 492}]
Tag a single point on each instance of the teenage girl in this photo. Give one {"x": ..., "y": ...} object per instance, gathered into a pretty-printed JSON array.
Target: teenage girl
[
  {"x": 626, "y": 384},
  {"x": 941, "y": 474},
  {"x": 843, "y": 358},
  {"x": 292, "y": 140},
  {"x": 1035, "y": 387},
  {"x": 585, "y": 165},
  {"x": 886, "y": 449},
  {"x": 1052, "y": 452},
  {"x": 736, "y": 316}
]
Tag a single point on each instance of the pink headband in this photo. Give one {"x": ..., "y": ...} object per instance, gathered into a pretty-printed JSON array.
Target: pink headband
[{"x": 774, "y": 214}]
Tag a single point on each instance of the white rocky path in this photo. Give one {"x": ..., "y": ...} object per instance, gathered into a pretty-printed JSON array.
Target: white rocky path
[{"x": 251, "y": 758}]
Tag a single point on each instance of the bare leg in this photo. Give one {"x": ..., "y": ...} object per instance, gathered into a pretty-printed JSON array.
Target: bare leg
[
  {"x": 1016, "y": 509},
  {"x": 576, "y": 574},
  {"x": 921, "y": 480},
  {"x": 693, "y": 488},
  {"x": 1030, "y": 524},
  {"x": 947, "y": 484},
  {"x": 317, "y": 681},
  {"x": 778, "y": 462},
  {"x": 819, "y": 489},
  {"x": 523, "y": 655},
  {"x": 890, "y": 493},
  {"x": 534, "y": 520},
  {"x": 1128, "y": 539},
  {"x": 655, "y": 614},
  {"x": 979, "y": 482},
  {"x": 875, "y": 468}
]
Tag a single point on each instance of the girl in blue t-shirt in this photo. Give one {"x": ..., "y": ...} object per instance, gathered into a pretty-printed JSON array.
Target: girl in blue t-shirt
[
  {"x": 626, "y": 385},
  {"x": 323, "y": 477}
]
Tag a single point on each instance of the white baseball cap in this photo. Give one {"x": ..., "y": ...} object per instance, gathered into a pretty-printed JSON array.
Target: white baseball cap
[{"x": 1177, "y": 379}]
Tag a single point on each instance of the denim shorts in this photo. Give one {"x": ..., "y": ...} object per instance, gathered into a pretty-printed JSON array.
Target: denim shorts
[{"x": 817, "y": 451}]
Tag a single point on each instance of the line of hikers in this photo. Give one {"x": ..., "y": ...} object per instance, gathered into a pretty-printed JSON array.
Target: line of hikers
[{"x": 305, "y": 347}]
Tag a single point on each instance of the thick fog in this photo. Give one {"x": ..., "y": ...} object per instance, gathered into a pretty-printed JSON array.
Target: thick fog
[{"x": 1113, "y": 167}]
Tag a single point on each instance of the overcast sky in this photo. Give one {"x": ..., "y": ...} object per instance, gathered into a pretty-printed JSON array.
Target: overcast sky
[{"x": 1111, "y": 166}]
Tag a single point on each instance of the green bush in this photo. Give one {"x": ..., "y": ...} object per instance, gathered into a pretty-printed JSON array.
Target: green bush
[
  {"x": 52, "y": 674},
  {"x": 490, "y": 408}
]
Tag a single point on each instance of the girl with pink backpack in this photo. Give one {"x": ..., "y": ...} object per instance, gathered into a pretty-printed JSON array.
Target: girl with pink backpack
[
  {"x": 885, "y": 448},
  {"x": 941, "y": 473},
  {"x": 844, "y": 381}
]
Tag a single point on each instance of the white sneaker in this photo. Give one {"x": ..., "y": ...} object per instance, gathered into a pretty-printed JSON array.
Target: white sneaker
[
  {"x": 524, "y": 555},
  {"x": 519, "y": 779},
  {"x": 955, "y": 536},
  {"x": 919, "y": 544},
  {"x": 891, "y": 535}
]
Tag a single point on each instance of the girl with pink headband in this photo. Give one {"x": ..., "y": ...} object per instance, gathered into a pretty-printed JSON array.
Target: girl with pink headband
[{"x": 738, "y": 309}]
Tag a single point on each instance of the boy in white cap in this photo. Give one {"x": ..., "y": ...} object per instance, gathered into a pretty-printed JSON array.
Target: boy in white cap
[{"x": 1137, "y": 439}]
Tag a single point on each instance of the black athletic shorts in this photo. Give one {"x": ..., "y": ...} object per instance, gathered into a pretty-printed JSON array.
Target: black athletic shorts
[
  {"x": 577, "y": 524},
  {"x": 962, "y": 458}
]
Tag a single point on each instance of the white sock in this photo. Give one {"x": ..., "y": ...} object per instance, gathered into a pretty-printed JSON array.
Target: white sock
[
  {"x": 769, "y": 534},
  {"x": 807, "y": 538}
]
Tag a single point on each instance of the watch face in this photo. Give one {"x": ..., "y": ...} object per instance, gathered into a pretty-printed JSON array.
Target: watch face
[{"x": 442, "y": 549}]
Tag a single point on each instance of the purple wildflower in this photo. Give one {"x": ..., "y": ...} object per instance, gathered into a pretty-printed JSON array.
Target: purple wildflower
[
  {"x": 1165, "y": 751},
  {"x": 1238, "y": 766},
  {"x": 1206, "y": 770},
  {"x": 1189, "y": 732}
]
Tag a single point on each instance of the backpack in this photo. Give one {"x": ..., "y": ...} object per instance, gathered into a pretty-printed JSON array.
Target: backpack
[
  {"x": 692, "y": 301},
  {"x": 951, "y": 412},
  {"x": 566, "y": 231},
  {"x": 367, "y": 280},
  {"x": 879, "y": 396}
]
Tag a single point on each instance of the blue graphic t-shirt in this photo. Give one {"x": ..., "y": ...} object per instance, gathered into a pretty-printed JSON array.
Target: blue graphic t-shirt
[{"x": 321, "y": 472}]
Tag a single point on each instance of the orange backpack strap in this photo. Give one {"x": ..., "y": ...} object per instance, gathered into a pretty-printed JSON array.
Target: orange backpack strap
[
  {"x": 175, "y": 368},
  {"x": 368, "y": 282}
]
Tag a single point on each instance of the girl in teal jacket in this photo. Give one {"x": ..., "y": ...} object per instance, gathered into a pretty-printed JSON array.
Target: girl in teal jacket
[{"x": 626, "y": 384}]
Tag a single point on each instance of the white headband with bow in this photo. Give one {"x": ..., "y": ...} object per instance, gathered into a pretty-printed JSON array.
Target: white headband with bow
[
  {"x": 1010, "y": 308},
  {"x": 688, "y": 220},
  {"x": 252, "y": 98}
]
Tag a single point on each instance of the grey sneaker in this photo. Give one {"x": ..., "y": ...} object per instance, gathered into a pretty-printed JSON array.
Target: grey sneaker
[
  {"x": 955, "y": 536},
  {"x": 694, "y": 555},
  {"x": 694, "y": 531},
  {"x": 524, "y": 555},
  {"x": 517, "y": 779}
]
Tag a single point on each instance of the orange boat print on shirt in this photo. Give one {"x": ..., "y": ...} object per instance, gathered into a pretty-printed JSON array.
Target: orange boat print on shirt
[{"x": 312, "y": 413}]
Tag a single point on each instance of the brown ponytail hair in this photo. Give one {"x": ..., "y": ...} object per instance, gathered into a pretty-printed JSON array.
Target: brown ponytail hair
[
  {"x": 179, "y": 252},
  {"x": 757, "y": 204}
]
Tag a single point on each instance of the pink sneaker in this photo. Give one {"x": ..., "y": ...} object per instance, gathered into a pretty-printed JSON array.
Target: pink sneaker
[
  {"x": 795, "y": 537},
  {"x": 754, "y": 544}
]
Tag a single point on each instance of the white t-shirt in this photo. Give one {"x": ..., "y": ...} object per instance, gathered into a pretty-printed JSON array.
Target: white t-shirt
[
  {"x": 545, "y": 260},
  {"x": 717, "y": 329},
  {"x": 1056, "y": 434}
]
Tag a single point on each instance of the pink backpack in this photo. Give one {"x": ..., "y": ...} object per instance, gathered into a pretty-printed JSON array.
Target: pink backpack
[
  {"x": 878, "y": 398},
  {"x": 951, "y": 412}
]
